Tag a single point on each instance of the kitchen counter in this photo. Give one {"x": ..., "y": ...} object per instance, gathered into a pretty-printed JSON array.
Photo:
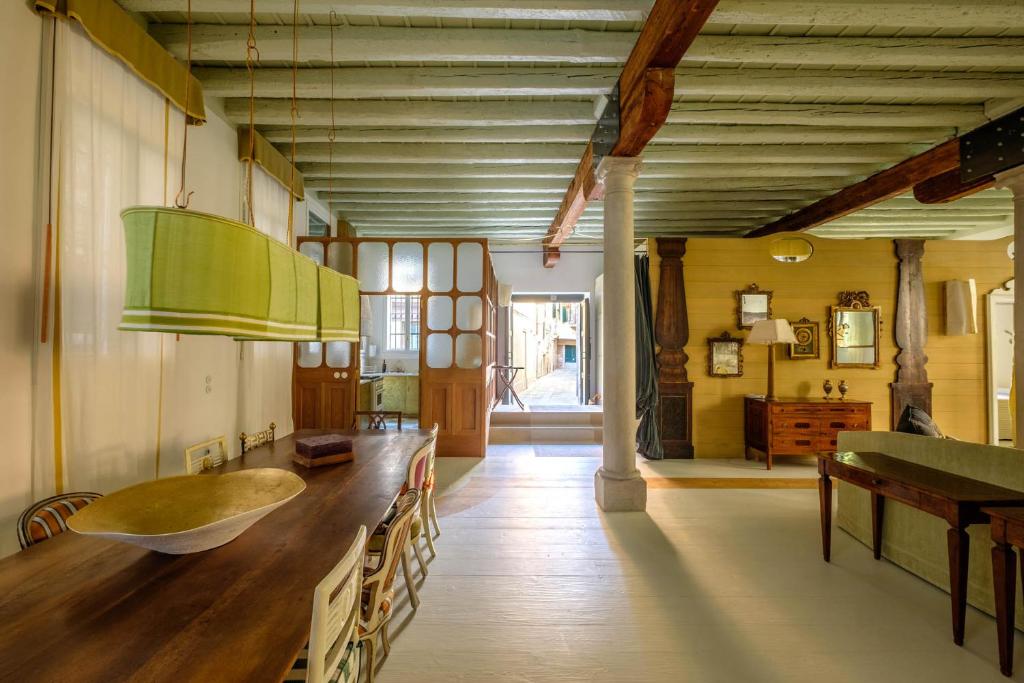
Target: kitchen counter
[{"x": 370, "y": 376}]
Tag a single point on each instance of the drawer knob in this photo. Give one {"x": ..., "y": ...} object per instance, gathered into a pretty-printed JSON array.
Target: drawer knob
[{"x": 802, "y": 425}]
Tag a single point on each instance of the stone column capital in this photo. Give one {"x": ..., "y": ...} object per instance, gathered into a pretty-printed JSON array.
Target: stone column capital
[
  {"x": 1012, "y": 180},
  {"x": 619, "y": 173}
]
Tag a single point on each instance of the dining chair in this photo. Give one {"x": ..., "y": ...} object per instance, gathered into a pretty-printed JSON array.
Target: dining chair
[
  {"x": 428, "y": 510},
  {"x": 206, "y": 455},
  {"x": 47, "y": 518},
  {"x": 376, "y": 419},
  {"x": 379, "y": 578},
  {"x": 251, "y": 441},
  {"x": 332, "y": 654}
]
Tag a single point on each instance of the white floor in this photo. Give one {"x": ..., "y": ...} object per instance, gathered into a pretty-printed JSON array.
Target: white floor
[{"x": 533, "y": 583}]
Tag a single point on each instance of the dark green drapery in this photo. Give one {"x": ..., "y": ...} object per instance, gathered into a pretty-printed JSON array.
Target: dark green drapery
[{"x": 648, "y": 439}]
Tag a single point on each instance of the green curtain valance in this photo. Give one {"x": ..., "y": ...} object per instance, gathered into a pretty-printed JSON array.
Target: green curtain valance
[
  {"x": 194, "y": 273},
  {"x": 272, "y": 161},
  {"x": 115, "y": 31}
]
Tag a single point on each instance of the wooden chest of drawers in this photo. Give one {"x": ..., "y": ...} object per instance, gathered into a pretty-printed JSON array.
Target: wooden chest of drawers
[{"x": 799, "y": 426}]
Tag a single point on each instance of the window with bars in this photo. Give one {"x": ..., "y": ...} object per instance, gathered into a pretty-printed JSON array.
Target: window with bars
[{"x": 404, "y": 322}]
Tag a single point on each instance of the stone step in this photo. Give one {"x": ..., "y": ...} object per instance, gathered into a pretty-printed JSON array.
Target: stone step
[
  {"x": 594, "y": 418},
  {"x": 544, "y": 434}
]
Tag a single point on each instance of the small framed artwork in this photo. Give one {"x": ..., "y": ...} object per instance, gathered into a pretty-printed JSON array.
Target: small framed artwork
[
  {"x": 725, "y": 356},
  {"x": 807, "y": 340},
  {"x": 752, "y": 304}
]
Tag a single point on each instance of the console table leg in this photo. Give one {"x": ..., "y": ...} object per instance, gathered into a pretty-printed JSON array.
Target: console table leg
[
  {"x": 959, "y": 549},
  {"x": 1004, "y": 581},
  {"x": 877, "y": 512},
  {"x": 825, "y": 496}
]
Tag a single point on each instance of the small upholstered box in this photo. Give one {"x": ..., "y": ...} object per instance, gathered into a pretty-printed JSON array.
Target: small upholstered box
[
  {"x": 324, "y": 449},
  {"x": 324, "y": 444}
]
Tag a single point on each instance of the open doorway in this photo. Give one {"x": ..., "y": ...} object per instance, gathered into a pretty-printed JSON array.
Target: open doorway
[{"x": 549, "y": 344}]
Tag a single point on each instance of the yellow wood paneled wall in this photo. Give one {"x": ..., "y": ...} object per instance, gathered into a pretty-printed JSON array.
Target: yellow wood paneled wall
[{"x": 715, "y": 268}]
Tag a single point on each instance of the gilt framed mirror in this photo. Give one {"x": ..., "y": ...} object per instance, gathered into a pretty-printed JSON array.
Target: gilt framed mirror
[
  {"x": 752, "y": 304},
  {"x": 854, "y": 329}
]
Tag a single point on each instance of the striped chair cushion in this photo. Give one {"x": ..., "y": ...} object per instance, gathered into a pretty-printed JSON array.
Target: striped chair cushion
[
  {"x": 47, "y": 518},
  {"x": 348, "y": 672}
]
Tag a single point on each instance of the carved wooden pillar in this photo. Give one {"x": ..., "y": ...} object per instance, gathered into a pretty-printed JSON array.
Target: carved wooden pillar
[
  {"x": 672, "y": 332},
  {"x": 911, "y": 385}
]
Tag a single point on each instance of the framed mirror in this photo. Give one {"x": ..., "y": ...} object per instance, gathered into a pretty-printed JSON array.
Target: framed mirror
[
  {"x": 725, "y": 356},
  {"x": 752, "y": 304},
  {"x": 854, "y": 327}
]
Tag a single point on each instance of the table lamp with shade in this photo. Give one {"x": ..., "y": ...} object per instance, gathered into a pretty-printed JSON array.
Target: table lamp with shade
[{"x": 769, "y": 333}]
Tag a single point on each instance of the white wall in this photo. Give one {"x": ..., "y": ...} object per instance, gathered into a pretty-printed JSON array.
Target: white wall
[
  {"x": 190, "y": 412},
  {"x": 20, "y": 38}
]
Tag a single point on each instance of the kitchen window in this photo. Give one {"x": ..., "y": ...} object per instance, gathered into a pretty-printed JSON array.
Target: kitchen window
[{"x": 404, "y": 322}]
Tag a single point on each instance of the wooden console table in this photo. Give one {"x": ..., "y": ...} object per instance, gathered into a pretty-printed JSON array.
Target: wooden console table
[
  {"x": 958, "y": 500},
  {"x": 800, "y": 426},
  {"x": 1007, "y": 534}
]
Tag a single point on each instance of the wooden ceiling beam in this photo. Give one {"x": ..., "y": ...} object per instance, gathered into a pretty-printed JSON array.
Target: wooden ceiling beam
[
  {"x": 964, "y": 116},
  {"x": 947, "y": 187},
  {"x": 377, "y": 82},
  {"x": 645, "y": 92},
  {"x": 277, "y": 112},
  {"x": 883, "y": 185},
  {"x": 554, "y": 153},
  {"x": 917, "y": 13},
  {"x": 360, "y": 44},
  {"x": 512, "y": 170},
  {"x": 670, "y": 134}
]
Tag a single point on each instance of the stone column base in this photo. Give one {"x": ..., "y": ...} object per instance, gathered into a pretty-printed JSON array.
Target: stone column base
[{"x": 615, "y": 494}]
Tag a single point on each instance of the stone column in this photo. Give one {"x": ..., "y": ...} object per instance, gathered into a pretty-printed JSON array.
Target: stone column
[
  {"x": 1014, "y": 180},
  {"x": 617, "y": 483}
]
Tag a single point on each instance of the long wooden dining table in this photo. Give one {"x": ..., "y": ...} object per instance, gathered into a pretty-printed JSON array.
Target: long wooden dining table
[{"x": 77, "y": 608}]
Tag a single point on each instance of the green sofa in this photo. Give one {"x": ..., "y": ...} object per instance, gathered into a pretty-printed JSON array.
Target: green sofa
[{"x": 917, "y": 541}]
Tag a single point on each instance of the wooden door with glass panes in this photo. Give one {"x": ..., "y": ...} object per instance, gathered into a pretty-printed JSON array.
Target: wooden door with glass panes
[
  {"x": 453, "y": 283},
  {"x": 325, "y": 374}
]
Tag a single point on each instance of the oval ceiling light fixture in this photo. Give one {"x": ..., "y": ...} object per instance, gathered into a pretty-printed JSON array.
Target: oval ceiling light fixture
[{"x": 791, "y": 249}]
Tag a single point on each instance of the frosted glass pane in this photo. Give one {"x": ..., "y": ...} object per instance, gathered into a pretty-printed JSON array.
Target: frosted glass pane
[
  {"x": 373, "y": 266},
  {"x": 471, "y": 267},
  {"x": 339, "y": 354},
  {"x": 439, "y": 351},
  {"x": 407, "y": 259},
  {"x": 468, "y": 351},
  {"x": 469, "y": 312},
  {"x": 339, "y": 257},
  {"x": 310, "y": 354},
  {"x": 440, "y": 262},
  {"x": 439, "y": 313},
  {"x": 314, "y": 250}
]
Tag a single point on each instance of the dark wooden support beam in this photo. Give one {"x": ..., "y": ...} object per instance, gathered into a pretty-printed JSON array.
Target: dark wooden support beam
[
  {"x": 672, "y": 333},
  {"x": 582, "y": 189},
  {"x": 646, "y": 87},
  {"x": 948, "y": 187},
  {"x": 883, "y": 185},
  {"x": 911, "y": 330}
]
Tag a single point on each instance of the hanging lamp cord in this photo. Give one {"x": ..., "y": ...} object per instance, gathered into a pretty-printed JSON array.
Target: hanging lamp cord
[
  {"x": 252, "y": 56},
  {"x": 295, "y": 113},
  {"x": 182, "y": 199},
  {"x": 332, "y": 133}
]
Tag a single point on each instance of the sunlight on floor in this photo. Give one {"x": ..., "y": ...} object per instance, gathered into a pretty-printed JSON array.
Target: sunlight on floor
[{"x": 533, "y": 583}]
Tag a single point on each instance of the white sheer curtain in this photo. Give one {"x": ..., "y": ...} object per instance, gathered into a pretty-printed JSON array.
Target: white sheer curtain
[
  {"x": 265, "y": 373},
  {"x": 111, "y": 140}
]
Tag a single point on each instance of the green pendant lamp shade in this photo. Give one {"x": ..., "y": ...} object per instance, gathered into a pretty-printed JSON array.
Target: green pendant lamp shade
[
  {"x": 193, "y": 273},
  {"x": 339, "y": 306}
]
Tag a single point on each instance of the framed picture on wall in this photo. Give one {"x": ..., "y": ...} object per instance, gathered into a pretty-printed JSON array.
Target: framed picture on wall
[
  {"x": 752, "y": 304},
  {"x": 725, "y": 356},
  {"x": 807, "y": 340}
]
